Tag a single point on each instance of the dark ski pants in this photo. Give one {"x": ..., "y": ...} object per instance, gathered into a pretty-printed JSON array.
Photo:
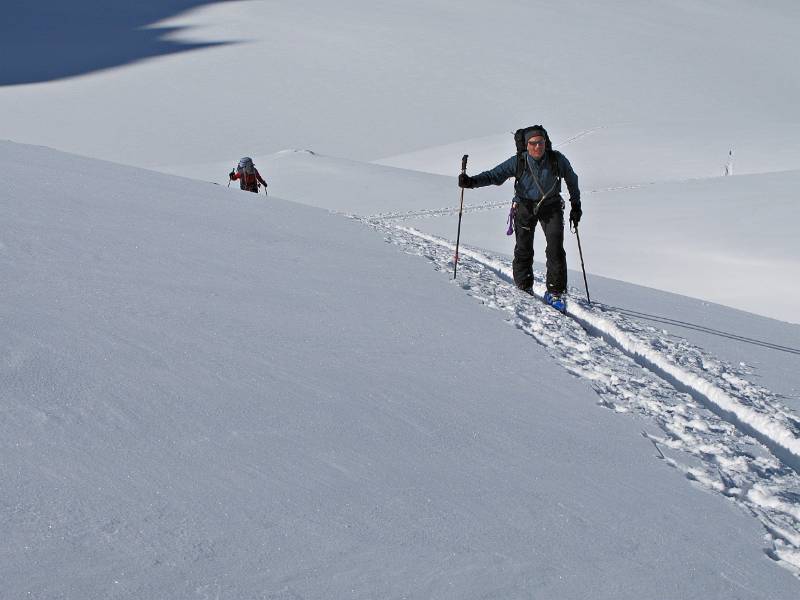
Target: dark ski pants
[{"x": 552, "y": 221}]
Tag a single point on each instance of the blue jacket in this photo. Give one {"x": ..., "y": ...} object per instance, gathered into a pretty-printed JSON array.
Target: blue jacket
[{"x": 527, "y": 188}]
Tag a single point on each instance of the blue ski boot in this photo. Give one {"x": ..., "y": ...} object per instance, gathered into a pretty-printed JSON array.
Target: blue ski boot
[{"x": 557, "y": 301}]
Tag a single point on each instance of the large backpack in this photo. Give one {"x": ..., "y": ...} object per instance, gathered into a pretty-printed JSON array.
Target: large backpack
[
  {"x": 522, "y": 151},
  {"x": 246, "y": 166}
]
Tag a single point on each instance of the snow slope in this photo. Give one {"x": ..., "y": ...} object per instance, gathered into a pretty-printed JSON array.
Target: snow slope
[
  {"x": 616, "y": 156},
  {"x": 366, "y": 79},
  {"x": 211, "y": 394},
  {"x": 634, "y": 94},
  {"x": 728, "y": 240}
]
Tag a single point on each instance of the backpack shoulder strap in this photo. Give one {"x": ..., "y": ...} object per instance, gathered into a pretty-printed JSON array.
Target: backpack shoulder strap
[
  {"x": 555, "y": 163},
  {"x": 521, "y": 164}
]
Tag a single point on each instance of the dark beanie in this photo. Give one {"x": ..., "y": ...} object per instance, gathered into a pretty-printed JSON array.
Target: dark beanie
[{"x": 534, "y": 131}]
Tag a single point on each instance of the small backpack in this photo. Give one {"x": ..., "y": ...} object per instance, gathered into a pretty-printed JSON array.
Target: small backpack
[{"x": 522, "y": 151}]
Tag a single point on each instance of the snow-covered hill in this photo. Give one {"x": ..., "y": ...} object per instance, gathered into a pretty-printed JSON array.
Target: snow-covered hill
[
  {"x": 211, "y": 394},
  {"x": 728, "y": 240},
  {"x": 364, "y": 80},
  {"x": 633, "y": 94}
]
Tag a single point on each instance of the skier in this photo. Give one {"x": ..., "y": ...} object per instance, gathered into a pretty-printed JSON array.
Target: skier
[
  {"x": 537, "y": 198},
  {"x": 729, "y": 164},
  {"x": 248, "y": 175}
]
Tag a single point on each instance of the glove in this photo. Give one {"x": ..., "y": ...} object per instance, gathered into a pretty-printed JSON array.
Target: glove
[
  {"x": 575, "y": 214},
  {"x": 231, "y": 174},
  {"x": 465, "y": 181}
]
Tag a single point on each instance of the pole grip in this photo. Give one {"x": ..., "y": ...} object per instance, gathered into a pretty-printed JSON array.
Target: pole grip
[{"x": 464, "y": 163}]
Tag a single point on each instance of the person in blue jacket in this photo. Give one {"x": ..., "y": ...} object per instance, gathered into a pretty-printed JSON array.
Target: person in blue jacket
[{"x": 537, "y": 199}]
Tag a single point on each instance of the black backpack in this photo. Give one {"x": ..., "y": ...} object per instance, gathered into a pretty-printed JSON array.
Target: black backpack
[{"x": 522, "y": 151}]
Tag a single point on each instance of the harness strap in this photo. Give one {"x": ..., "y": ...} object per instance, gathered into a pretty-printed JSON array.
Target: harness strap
[
  {"x": 541, "y": 190},
  {"x": 522, "y": 162}
]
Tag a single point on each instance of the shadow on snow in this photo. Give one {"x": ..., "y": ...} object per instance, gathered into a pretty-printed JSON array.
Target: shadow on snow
[{"x": 53, "y": 39}]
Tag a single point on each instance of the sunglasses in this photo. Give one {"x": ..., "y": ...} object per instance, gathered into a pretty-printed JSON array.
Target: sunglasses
[{"x": 537, "y": 143}]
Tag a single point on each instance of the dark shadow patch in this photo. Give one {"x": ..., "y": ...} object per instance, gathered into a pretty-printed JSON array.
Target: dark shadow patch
[{"x": 54, "y": 39}]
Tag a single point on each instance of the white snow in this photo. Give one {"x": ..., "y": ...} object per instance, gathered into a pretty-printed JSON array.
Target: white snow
[
  {"x": 206, "y": 393},
  {"x": 768, "y": 423},
  {"x": 211, "y": 393}
]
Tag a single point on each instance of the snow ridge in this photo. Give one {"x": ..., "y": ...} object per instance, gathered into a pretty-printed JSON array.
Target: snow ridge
[{"x": 714, "y": 424}]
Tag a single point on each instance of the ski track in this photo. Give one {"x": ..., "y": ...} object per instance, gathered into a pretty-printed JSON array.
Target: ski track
[
  {"x": 723, "y": 433},
  {"x": 583, "y": 134},
  {"x": 438, "y": 212}
]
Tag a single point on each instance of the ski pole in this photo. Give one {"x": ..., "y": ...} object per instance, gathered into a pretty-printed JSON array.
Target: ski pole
[
  {"x": 460, "y": 212},
  {"x": 580, "y": 251}
]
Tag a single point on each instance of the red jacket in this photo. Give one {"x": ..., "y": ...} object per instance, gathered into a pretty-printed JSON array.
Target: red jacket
[{"x": 249, "y": 179}]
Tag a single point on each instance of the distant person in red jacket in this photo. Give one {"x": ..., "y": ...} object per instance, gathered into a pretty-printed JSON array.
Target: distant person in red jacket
[{"x": 248, "y": 175}]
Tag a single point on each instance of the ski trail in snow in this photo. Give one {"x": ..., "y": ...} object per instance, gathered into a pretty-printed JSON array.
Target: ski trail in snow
[
  {"x": 485, "y": 206},
  {"x": 582, "y": 134},
  {"x": 722, "y": 432},
  {"x": 440, "y": 212}
]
